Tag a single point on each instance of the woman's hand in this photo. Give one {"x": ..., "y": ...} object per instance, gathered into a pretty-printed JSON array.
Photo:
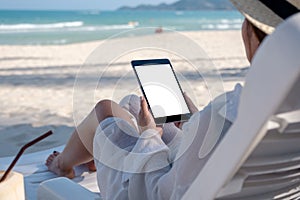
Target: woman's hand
[
  {"x": 145, "y": 120},
  {"x": 191, "y": 106},
  {"x": 190, "y": 103}
]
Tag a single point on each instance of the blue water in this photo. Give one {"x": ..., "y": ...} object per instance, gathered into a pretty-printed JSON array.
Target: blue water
[{"x": 65, "y": 27}]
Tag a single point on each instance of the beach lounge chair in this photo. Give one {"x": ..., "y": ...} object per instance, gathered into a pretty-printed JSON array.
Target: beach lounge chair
[{"x": 259, "y": 158}]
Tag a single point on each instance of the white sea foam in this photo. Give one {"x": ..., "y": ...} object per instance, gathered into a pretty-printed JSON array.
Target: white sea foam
[
  {"x": 179, "y": 13},
  {"x": 107, "y": 28},
  {"x": 62, "y": 41},
  {"x": 225, "y": 21},
  {"x": 220, "y": 24},
  {"x": 66, "y": 27},
  {"x": 9, "y": 27},
  {"x": 223, "y": 26}
]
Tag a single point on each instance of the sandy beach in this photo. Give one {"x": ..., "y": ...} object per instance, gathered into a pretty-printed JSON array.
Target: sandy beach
[{"x": 37, "y": 91}]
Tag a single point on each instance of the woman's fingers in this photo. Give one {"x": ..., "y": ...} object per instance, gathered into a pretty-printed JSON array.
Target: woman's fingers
[
  {"x": 190, "y": 103},
  {"x": 144, "y": 107},
  {"x": 143, "y": 112},
  {"x": 145, "y": 120}
]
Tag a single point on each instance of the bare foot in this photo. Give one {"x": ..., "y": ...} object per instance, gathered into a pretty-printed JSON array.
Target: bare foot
[
  {"x": 53, "y": 163},
  {"x": 91, "y": 166}
]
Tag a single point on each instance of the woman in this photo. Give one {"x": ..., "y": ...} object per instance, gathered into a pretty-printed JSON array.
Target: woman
[{"x": 157, "y": 173}]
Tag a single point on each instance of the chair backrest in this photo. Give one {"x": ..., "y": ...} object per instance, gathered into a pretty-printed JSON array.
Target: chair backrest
[{"x": 259, "y": 157}]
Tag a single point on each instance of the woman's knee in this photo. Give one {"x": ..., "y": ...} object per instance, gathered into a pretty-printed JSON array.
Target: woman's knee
[
  {"x": 131, "y": 103},
  {"x": 103, "y": 109}
]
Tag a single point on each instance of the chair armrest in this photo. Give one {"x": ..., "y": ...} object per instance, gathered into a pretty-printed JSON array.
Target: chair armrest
[{"x": 64, "y": 188}]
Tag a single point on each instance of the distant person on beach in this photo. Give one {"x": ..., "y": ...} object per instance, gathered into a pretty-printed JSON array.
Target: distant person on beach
[
  {"x": 159, "y": 30},
  {"x": 130, "y": 127}
]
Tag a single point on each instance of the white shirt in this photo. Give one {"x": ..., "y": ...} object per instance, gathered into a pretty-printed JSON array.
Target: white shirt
[{"x": 130, "y": 166}]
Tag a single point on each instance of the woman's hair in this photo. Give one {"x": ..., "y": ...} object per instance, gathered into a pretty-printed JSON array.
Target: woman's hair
[{"x": 259, "y": 34}]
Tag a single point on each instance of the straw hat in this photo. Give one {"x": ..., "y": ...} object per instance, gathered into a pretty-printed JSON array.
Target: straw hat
[{"x": 267, "y": 14}]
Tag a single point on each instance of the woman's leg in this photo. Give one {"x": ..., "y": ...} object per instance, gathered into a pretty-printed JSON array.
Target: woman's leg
[{"x": 79, "y": 148}]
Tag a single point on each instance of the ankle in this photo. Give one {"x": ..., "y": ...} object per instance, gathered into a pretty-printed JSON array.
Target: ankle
[{"x": 62, "y": 164}]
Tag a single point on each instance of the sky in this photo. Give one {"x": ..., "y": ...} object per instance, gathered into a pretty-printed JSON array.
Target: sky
[{"x": 74, "y": 4}]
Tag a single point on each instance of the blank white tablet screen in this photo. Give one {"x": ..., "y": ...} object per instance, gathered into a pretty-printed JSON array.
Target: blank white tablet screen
[{"x": 162, "y": 90}]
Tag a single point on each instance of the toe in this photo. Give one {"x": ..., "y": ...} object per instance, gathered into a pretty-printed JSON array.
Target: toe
[{"x": 50, "y": 159}]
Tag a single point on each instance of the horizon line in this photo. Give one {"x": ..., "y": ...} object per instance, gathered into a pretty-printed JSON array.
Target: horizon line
[{"x": 99, "y": 10}]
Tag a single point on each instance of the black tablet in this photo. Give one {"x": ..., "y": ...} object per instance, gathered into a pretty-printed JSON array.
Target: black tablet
[{"x": 161, "y": 89}]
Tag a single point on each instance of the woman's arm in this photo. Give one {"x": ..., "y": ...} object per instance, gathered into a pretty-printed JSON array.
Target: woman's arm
[{"x": 172, "y": 181}]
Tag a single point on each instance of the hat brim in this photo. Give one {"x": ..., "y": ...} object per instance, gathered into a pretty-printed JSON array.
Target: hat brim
[{"x": 258, "y": 14}]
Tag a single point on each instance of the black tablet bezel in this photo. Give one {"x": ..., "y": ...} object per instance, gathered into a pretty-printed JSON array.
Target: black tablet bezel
[{"x": 166, "y": 119}]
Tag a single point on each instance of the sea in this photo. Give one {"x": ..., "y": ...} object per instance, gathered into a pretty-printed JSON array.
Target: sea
[{"x": 67, "y": 27}]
